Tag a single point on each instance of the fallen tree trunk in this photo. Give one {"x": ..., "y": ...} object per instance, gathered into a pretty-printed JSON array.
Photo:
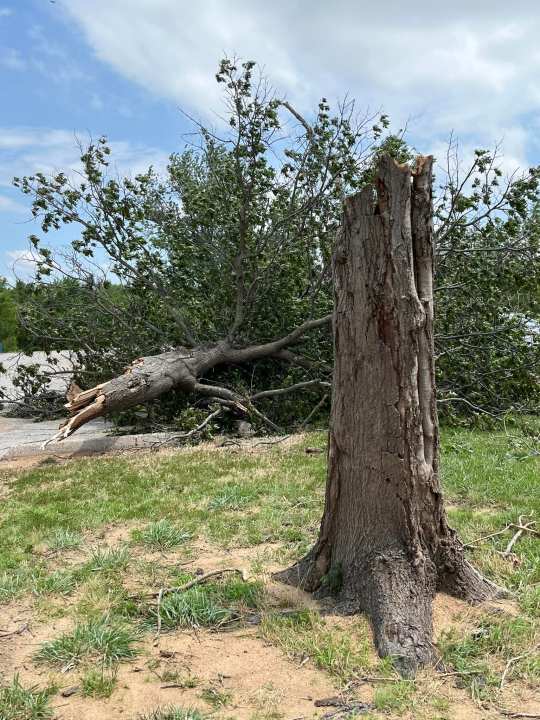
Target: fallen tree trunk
[
  {"x": 385, "y": 546},
  {"x": 182, "y": 369}
]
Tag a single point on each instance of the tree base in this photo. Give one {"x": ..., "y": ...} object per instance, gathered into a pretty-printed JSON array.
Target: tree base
[{"x": 395, "y": 593}]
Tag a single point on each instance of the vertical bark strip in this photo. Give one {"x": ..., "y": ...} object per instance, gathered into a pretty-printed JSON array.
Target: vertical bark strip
[{"x": 384, "y": 536}]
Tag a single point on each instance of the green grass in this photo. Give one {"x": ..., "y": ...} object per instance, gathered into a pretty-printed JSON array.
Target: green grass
[
  {"x": 108, "y": 559},
  {"x": 20, "y": 703},
  {"x": 98, "y": 683},
  {"x": 273, "y": 498},
  {"x": 161, "y": 535},
  {"x": 482, "y": 655},
  {"x": 394, "y": 697},
  {"x": 64, "y": 539},
  {"x": 105, "y": 641},
  {"x": 172, "y": 712},
  {"x": 209, "y": 605},
  {"x": 90, "y": 493},
  {"x": 343, "y": 654}
]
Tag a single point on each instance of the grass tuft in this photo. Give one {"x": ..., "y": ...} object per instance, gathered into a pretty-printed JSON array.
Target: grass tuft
[
  {"x": 19, "y": 703},
  {"x": 64, "y": 539},
  {"x": 481, "y": 657},
  {"x": 208, "y": 605},
  {"x": 216, "y": 697},
  {"x": 98, "y": 684},
  {"x": 100, "y": 640},
  {"x": 108, "y": 559},
  {"x": 173, "y": 712},
  {"x": 306, "y": 634},
  {"x": 162, "y": 535},
  {"x": 13, "y": 583},
  {"x": 394, "y": 697}
]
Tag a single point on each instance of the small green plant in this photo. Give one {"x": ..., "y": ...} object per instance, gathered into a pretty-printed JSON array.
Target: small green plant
[
  {"x": 64, "y": 539},
  {"x": 108, "y": 559},
  {"x": 19, "y": 703},
  {"x": 216, "y": 697},
  {"x": 173, "y": 712},
  {"x": 98, "y": 683},
  {"x": 103, "y": 640},
  {"x": 162, "y": 535}
]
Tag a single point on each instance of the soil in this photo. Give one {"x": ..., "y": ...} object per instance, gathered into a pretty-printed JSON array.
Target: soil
[{"x": 260, "y": 678}]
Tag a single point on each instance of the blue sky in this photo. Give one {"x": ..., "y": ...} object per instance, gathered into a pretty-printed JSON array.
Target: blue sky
[{"x": 75, "y": 68}]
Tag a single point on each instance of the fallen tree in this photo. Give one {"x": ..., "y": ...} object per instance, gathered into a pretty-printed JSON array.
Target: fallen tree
[{"x": 149, "y": 377}]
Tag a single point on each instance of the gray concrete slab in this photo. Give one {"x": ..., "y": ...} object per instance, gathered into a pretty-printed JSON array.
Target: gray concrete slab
[{"x": 21, "y": 438}]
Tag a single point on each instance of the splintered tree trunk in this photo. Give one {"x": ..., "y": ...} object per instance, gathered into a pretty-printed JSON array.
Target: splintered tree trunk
[{"x": 384, "y": 537}]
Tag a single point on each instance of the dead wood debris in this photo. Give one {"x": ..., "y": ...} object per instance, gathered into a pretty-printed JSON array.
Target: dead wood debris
[
  {"x": 345, "y": 708},
  {"x": 521, "y": 527}
]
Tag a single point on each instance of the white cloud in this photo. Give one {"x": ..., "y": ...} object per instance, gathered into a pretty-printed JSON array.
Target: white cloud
[
  {"x": 5, "y": 12},
  {"x": 471, "y": 67},
  {"x": 7, "y": 205},
  {"x": 21, "y": 263},
  {"x": 12, "y": 59},
  {"x": 25, "y": 151}
]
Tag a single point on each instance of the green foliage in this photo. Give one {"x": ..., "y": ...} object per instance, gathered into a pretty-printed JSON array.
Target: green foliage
[
  {"x": 235, "y": 242},
  {"x": 20, "y": 703},
  {"x": 8, "y": 318}
]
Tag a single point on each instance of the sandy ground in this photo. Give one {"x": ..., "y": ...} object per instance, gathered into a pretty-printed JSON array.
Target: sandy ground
[{"x": 261, "y": 680}]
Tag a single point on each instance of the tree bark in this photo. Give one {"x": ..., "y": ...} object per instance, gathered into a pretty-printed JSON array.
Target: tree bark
[{"x": 384, "y": 543}]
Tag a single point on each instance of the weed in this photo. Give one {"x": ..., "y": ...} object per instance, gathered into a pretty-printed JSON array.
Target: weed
[
  {"x": 103, "y": 640},
  {"x": 19, "y": 703}
]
